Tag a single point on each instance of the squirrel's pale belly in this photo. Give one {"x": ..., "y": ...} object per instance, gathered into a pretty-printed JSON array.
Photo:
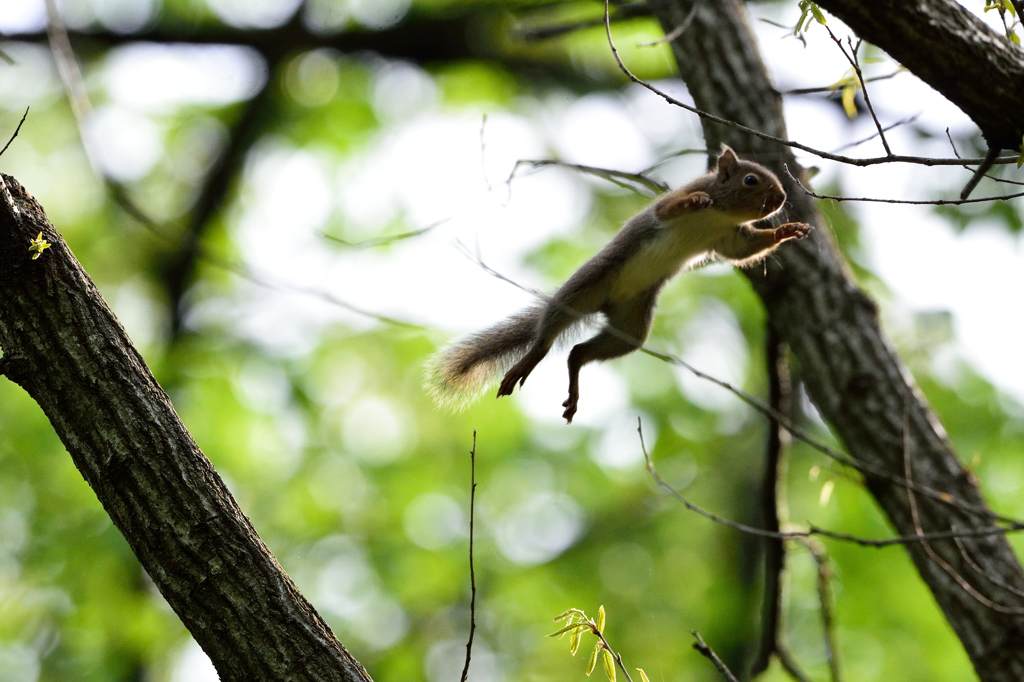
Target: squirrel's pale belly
[{"x": 659, "y": 259}]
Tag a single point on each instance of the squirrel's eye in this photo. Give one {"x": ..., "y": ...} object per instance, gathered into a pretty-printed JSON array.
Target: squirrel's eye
[{"x": 750, "y": 180}]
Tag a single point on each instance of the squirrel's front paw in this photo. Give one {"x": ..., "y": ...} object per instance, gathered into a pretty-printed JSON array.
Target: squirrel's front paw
[
  {"x": 675, "y": 205},
  {"x": 791, "y": 231},
  {"x": 698, "y": 200}
]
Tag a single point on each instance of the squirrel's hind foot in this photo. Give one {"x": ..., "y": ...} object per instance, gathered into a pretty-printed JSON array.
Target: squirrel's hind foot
[
  {"x": 519, "y": 372},
  {"x": 570, "y": 408}
]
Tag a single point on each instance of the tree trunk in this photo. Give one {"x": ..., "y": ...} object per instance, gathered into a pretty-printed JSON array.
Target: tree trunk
[
  {"x": 63, "y": 345},
  {"x": 852, "y": 373}
]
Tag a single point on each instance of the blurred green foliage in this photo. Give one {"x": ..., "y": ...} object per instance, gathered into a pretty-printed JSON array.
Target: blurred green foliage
[{"x": 360, "y": 487}]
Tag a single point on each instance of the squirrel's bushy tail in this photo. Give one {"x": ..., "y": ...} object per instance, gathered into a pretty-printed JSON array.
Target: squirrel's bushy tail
[{"x": 457, "y": 374}]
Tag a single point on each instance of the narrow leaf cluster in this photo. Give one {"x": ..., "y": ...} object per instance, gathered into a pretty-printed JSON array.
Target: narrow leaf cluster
[{"x": 577, "y": 623}]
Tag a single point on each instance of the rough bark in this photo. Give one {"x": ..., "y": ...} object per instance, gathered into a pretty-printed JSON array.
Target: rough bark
[
  {"x": 63, "y": 345},
  {"x": 853, "y": 374},
  {"x": 953, "y": 51}
]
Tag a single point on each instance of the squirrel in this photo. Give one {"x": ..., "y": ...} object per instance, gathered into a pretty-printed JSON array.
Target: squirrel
[{"x": 711, "y": 215}]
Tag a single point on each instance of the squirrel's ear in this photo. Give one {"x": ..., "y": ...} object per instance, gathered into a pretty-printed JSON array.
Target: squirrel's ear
[{"x": 727, "y": 162}]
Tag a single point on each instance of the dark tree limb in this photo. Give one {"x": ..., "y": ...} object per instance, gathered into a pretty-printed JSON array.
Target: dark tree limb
[
  {"x": 953, "y": 51},
  {"x": 852, "y": 373},
  {"x": 179, "y": 265},
  {"x": 64, "y": 346},
  {"x": 423, "y": 38},
  {"x": 774, "y": 472}
]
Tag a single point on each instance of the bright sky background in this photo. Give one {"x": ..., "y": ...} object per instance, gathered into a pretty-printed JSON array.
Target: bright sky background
[{"x": 432, "y": 165}]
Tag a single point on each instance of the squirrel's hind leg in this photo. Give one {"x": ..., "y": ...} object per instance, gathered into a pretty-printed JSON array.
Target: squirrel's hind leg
[
  {"x": 578, "y": 297},
  {"x": 629, "y": 323}
]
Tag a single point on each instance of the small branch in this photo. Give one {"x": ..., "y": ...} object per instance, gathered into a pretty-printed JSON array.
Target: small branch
[
  {"x": 616, "y": 656},
  {"x": 674, "y": 33},
  {"x": 673, "y": 155},
  {"x": 383, "y": 241},
  {"x": 708, "y": 653},
  {"x": 832, "y": 88},
  {"x": 243, "y": 271},
  {"x": 612, "y": 176},
  {"x": 790, "y": 666},
  {"x": 67, "y": 65},
  {"x": 472, "y": 572},
  {"x": 622, "y": 13},
  {"x": 812, "y": 529},
  {"x": 966, "y": 167},
  {"x": 16, "y": 131},
  {"x": 887, "y": 128},
  {"x": 876, "y": 200},
  {"x": 855, "y": 64},
  {"x": 994, "y": 579},
  {"x": 993, "y": 154},
  {"x": 825, "y": 599}
]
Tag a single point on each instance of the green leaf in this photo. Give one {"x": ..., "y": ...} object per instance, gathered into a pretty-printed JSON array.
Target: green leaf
[
  {"x": 600, "y": 619},
  {"x": 567, "y": 628},
  {"x": 574, "y": 642},
  {"x": 850, "y": 100},
  {"x": 643, "y": 675},
  {"x": 609, "y": 665},
  {"x": 818, "y": 16},
  {"x": 592, "y": 663}
]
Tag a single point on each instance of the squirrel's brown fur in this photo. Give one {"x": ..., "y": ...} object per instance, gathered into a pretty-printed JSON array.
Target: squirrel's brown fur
[{"x": 709, "y": 216}]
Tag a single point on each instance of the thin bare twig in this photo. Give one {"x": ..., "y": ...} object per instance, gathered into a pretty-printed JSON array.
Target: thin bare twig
[
  {"x": 622, "y": 13},
  {"x": 1005, "y": 181},
  {"x": 789, "y": 664},
  {"x": 855, "y": 64},
  {"x": 613, "y": 176},
  {"x": 615, "y": 655},
  {"x": 992, "y": 578},
  {"x": 832, "y": 88},
  {"x": 905, "y": 121},
  {"x": 914, "y": 202},
  {"x": 708, "y": 653},
  {"x": 980, "y": 172},
  {"x": 674, "y": 33},
  {"x": 243, "y": 271},
  {"x": 895, "y": 158},
  {"x": 16, "y": 131},
  {"x": 673, "y": 155},
  {"x": 67, "y": 65},
  {"x": 472, "y": 572},
  {"x": 825, "y": 599},
  {"x": 383, "y": 241},
  {"x": 813, "y": 530}
]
